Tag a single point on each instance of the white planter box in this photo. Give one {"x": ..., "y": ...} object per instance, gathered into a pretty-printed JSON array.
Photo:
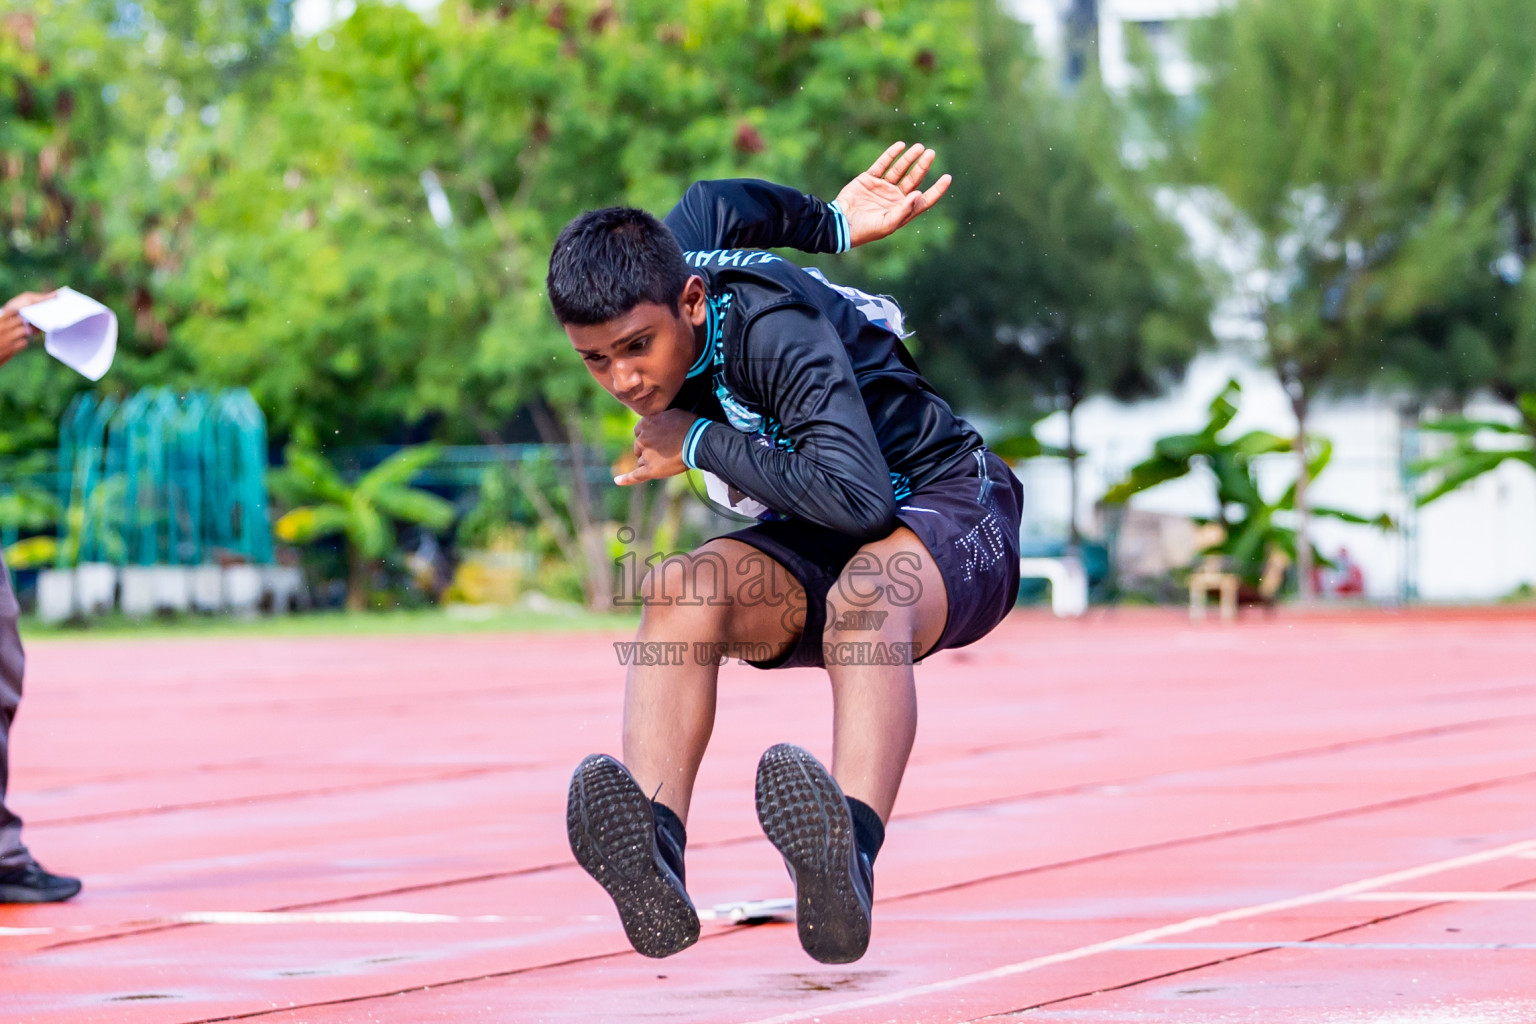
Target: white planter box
[
  {"x": 283, "y": 586},
  {"x": 95, "y": 587},
  {"x": 139, "y": 590},
  {"x": 55, "y": 595},
  {"x": 242, "y": 589},
  {"x": 172, "y": 586},
  {"x": 207, "y": 583}
]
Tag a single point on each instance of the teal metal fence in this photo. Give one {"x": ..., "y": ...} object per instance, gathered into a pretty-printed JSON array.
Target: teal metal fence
[
  {"x": 179, "y": 479},
  {"x": 163, "y": 478}
]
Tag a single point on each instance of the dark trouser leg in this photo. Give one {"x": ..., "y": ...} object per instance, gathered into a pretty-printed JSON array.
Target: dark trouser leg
[{"x": 12, "y": 853}]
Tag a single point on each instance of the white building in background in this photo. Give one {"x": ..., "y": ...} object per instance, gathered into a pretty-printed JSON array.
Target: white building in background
[
  {"x": 1478, "y": 543},
  {"x": 1056, "y": 24}
]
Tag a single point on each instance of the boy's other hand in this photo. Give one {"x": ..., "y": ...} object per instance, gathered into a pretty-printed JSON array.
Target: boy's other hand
[
  {"x": 14, "y": 331},
  {"x": 887, "y": 196},
  {"x": 658, "y": 447}
]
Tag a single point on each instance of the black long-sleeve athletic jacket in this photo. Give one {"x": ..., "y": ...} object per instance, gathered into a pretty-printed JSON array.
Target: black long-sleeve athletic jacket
[{"x": 810, "y": 403}]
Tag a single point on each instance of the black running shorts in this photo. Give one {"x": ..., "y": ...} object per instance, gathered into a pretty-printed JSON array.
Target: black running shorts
[{"x": 969, "y": 522}]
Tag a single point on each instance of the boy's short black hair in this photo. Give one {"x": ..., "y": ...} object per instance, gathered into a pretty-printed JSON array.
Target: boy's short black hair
[{"x": 606, "y": 262}]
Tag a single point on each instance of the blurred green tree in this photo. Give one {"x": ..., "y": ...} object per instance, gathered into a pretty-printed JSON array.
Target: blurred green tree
[
  {"x": 26, "y": 502},
  {"x": 1062, "y": 279},
  {"x": 1363, "y": 155},
  {"x": 104, "y": 110},
  {"x": 55, "y": 130},
  {"x": 374, "y": 250}
]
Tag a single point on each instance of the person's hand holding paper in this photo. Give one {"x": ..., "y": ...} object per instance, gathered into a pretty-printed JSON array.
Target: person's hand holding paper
[
  {"x": 80, "y": 332},
  {"x": 14, "y": 331}
]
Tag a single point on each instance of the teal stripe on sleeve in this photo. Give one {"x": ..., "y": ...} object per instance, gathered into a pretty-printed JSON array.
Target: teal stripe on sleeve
[
  {"x": 844, "y": 238},
  {"x": 691, "y": 442}
]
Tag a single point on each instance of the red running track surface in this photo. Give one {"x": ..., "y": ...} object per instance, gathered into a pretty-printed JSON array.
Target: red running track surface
[{"x": 1311, "y": 821}]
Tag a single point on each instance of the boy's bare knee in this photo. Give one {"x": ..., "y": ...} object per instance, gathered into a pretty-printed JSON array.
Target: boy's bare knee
[{"x": 689, "y": 591}]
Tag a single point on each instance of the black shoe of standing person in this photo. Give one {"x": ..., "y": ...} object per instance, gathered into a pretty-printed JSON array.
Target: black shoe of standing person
[
  {"x": 31, "y": 884},
  {"x": 634, "y": 849},
  {"x": 819, "y": 831}
]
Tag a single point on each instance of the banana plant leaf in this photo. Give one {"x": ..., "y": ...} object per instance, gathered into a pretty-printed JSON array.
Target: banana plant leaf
[
  {"x": 1381, "y": 522},
  {"x": 1466, "y": 459},
  {"x": 309, "y": 474},
  {"x": 1145, "y": 476},
  {"x": 1463, "y": 465},
  {"x": 1253, "y": 527},
  {"x": 415, "y": 506},
  {"x": 364, "y": 513},
  {"x": 1461, "y": 425},
  {"x": 32, "y": 553},
  {"x": 310, "y": 523},
  {"x": 399, "y": 469}
]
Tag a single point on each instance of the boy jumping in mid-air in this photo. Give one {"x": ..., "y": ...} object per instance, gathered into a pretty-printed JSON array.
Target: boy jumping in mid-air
[{"x": 887, "y": 530}]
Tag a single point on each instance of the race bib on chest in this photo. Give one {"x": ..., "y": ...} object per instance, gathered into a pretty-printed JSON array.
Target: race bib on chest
[{"x": 731, "y": 497}]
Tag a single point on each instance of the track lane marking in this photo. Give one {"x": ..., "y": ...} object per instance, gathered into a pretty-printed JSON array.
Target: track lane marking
[
  {"x": 1449, "y": 946},
  {"x": 1444, "y": 897},
  {"x": 231, "y": 802},
  {"x": 1338, "y": 892},
  {"x": 134, "y": 929},
  {"x": 1236, "y": 955}
]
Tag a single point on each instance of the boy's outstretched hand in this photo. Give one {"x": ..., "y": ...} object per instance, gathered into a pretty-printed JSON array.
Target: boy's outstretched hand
[{"x": 887, "y": 196}]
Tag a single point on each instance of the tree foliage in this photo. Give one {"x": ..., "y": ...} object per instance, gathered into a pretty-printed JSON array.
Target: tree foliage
[
  {"x": 104, "y": 108},
  {"x": 1372, "y": 158},
  {"x": 375, "y": 249},
  {"x": 1373, "y": 145},
  {"x": 1063, "y": 278}
]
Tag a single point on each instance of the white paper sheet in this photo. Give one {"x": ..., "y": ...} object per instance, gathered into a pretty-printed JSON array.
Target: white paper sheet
[{"x": 79, "y": 332}]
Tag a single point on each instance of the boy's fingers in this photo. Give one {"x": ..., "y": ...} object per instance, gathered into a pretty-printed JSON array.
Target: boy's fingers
[
  {"x": 879, "y": 166},
  {"x": 639, "y": 474},
  {"x": 935, "y": 193},
  {"x": 900, "y": 166},
  {"x": 915, "y": 176}
]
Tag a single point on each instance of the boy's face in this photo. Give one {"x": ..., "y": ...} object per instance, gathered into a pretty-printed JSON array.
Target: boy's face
[{"x": 642, "y": 357}]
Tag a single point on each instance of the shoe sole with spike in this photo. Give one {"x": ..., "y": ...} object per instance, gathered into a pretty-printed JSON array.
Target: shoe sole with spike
[
  {"x": 804, "y": 815},
  {"x": 612, "y": 830}
]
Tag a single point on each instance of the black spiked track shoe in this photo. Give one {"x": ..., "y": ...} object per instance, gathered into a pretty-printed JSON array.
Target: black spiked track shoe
[
  {"x": 804, "y": 814},
  {"x": 613, "y": 835}
]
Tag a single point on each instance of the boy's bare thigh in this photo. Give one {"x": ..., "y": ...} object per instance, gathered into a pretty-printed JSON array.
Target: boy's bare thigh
[
  {"x": 761, "y": 606},
  {"x": 896, "y": 579}
]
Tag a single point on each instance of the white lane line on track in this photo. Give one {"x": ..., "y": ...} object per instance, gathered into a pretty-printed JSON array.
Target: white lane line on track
[
  {"x": 1332, "y": 945},
  {"x": 333, "y": 917},
  {"x": 1153, "y": 934},
  {"x": 1443, "y": 897},
  {"x": 258, "y": 917}
]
